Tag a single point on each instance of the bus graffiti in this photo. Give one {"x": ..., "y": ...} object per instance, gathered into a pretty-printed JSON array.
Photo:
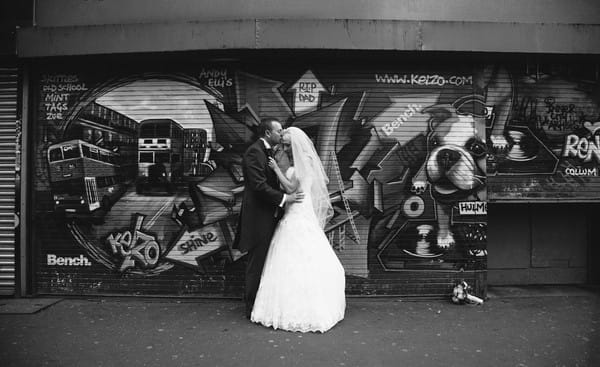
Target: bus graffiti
[{"x": 84, "y": 177}]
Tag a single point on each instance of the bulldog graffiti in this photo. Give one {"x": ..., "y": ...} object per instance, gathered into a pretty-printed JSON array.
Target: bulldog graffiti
[{"x": 454, "y": 169}]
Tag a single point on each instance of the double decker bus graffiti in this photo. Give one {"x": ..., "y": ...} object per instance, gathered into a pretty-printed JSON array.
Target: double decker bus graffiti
[
  {"x": 83, "y": 177},
  {"x": 160, "y": 152}
]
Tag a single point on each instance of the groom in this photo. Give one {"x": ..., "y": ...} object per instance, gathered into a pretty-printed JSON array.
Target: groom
[{"x": 262, "y": 203}]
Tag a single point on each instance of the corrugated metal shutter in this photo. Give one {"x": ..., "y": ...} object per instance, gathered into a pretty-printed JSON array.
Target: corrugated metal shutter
[{"x": 8, "y": 117}]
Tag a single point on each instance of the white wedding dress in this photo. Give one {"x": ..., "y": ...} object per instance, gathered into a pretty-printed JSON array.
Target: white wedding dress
[{"x": 303, "y": 282}]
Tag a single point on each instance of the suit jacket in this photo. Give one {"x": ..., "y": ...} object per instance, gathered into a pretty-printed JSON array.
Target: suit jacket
[{"x": 261, "y": 200}]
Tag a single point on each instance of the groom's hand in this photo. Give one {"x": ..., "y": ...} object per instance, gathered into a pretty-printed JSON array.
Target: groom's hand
[{"x": 296, "y": 197}]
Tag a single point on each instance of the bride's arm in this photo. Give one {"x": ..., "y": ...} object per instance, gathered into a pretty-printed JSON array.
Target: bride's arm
[{"x": 288, "y": 185}]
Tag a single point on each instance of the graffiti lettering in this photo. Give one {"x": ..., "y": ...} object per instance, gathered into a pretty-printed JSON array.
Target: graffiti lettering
[
  {"x": 306, "y": 97},
  {"x": 219, "y": 82},
  {"x": 472, "y": 208},
  {"x": 580, "y": 171},
  {"x": 59, "y": 78},
  {"x": 139, "y": 247},
  {"x": 56, "y": 89},
  {"x": 213, "y": 73},
  {"x": 193, "y": 244},
  {"x": 53, "y": 88},
  {"x": 216, "y": 77},
  {"x": 55, "y": 107},
  {"x": 54, "y": 260},
  {"x": 559, "y": 117},
  {"x": 61, "y": 97},
  {"x": 582, "y": 148},
  {"x": 420, "y": 79},
  {"x": 410, "y": 111}
]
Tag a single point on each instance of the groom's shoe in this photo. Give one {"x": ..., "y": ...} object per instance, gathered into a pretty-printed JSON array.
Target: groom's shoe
[{"x": 248, "y": 310}]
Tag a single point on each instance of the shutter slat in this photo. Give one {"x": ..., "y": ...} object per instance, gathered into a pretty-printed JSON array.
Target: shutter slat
[{"x": 8, "y": 126}]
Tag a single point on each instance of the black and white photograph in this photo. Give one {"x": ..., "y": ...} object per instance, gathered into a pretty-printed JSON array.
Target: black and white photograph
[{"x": 299, "y": 183}]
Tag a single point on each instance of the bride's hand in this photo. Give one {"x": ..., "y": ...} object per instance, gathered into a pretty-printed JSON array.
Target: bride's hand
[{"x": 273, "y": 164}]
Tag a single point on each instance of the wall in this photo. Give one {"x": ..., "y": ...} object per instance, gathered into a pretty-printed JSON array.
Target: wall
[
  {"x": 86, "y": 13},
  {"x": 414, "y": 143},
  {"x": 401, "y": 139},
  {"x": 541, "y": 244},
  {"x": 545, "y": 143},
  {"x": 79, "y": 27}
]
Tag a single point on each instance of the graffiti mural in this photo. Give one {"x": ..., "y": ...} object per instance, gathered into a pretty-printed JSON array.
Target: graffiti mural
[
  {"x": 138, "y": 178},
  {"x": 545, "y": 136}
]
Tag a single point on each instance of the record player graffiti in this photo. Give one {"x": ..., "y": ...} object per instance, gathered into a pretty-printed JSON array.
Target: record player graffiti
[
  {"x": 441, "y": 223},
  {"x": 542, "y": 134}
]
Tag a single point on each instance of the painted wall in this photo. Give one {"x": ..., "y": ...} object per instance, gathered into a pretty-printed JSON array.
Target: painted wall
[
  {"x": 403, "y": 143},
  {"x": 413, "y": 147},
  {"x": 545, "y": 138}
]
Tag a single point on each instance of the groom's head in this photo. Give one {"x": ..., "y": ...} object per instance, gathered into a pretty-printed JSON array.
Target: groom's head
[{"x": 270, "y": 129}]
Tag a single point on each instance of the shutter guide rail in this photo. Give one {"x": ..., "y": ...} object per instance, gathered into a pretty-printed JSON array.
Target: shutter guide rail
[{"x": 8, "y": 117}]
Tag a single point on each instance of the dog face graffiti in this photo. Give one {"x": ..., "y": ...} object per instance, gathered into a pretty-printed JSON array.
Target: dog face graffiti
[{"x": 455, "y": 166}]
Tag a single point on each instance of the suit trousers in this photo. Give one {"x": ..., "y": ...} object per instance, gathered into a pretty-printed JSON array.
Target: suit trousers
[{"x": 254, "y": 267}]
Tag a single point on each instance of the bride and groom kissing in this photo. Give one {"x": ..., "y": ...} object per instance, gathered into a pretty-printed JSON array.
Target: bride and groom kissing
[{"x": 294, "y": 280}]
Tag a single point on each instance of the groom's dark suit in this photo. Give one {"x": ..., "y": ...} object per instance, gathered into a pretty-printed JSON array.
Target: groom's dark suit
[{"x": 260, "y": 204}]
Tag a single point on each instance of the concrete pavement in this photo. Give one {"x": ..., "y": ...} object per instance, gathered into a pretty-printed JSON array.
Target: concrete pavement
[{"x": 515, "y": 327}]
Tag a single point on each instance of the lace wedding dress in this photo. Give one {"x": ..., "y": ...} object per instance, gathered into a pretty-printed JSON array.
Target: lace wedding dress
[{"x": 303, "y": 282}]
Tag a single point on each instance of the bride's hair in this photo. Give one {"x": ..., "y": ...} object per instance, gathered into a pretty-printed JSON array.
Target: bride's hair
[{"x": 308, "y": 165}]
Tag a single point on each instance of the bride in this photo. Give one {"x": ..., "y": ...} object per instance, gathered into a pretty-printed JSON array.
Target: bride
[{"x": 303, "y": 282}]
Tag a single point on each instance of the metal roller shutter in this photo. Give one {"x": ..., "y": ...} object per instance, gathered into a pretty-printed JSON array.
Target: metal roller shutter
[{"x": 8, "y": 117}]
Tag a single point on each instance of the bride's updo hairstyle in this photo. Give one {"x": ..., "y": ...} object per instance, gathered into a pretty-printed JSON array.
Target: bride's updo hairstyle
[{"x": 308, "y": 168}]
